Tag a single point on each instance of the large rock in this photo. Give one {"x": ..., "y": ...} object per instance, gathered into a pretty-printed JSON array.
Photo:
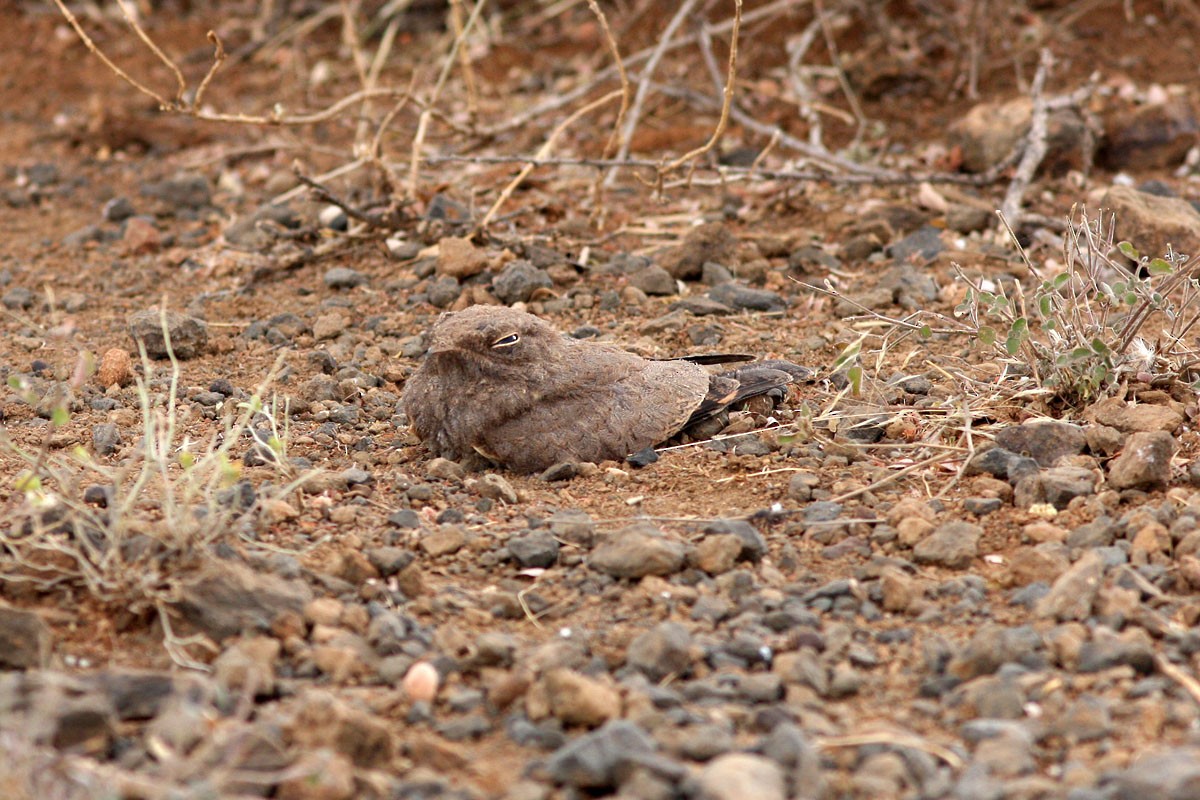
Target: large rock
[
  {"x": 1144, "y": 462},
  {"x": 987, "y": 134},
  {"x": 1152, "y": 136},
  {"x": 188, "y": 335},
  {"x": 1151, "y": 222},
  {"x": 734, "y": 776},
  {"x": 953, "y": 544},
  {"x": 637, "y": 551},
  {"x": 227, "y": 598},
  {"x": 599, "y": 759},
  {"x": 24, "y": 640},
  {"x": 711, "y": 242},
  {"x": 1044, "y": 440},
  {"x": 1161, "y": 775},
  {"x": 1072, "y": 595}
]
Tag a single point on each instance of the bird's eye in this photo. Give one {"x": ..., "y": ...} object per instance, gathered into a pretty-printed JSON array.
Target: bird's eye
[{"x": 507, "y": 341}]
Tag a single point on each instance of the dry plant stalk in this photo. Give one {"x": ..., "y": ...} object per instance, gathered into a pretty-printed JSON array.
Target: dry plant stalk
[
  {"x": 543, "y": 151},
  {"x": 614, "y": 140},
  {"x": 635, "y": 112},
  {"x": 726, "y": 97},
  {"x": 181, "y": 105},
  {"x": 132, "y": 548},
  {"x": 414, "y": 169}
]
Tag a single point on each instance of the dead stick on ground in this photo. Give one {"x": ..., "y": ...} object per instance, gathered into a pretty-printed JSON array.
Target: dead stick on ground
[
  {"x": 639, "y": 100},
  {"x": 1035, "y": 144},
  {"x": 952, "y": 759},
  {"x": 895, "y": 476},
  {"x": 726, "y": 94},
  {"x": 542, "y": 152},
  {"x": 898, "y": 179},
  {"x": 73, "y": 21},
  {"x": 414, "y": 167},
  {"x": 614, "y": 139},
  {"x": 1189, "y": 684}
]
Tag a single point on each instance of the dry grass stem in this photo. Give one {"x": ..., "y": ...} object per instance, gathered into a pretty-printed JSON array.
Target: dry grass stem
[
  {"x": 614, "y": 140},
  {"x": 464, "y": 58},
  {"x": 847, "y": 90},
  {"x": 1035, "y": 147},
  {"x": 543, "y": 151},
  {"x": 414, "y": 168},
  {"x": 635, "y": 111},
  {"x": 726, "y": 95}
]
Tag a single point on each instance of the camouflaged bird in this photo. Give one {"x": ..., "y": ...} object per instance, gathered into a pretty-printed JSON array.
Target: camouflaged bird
[{"x": 505, "y": 385}]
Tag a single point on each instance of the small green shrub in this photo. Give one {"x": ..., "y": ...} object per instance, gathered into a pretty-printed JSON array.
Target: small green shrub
[{"x": 1094, "y": 321}]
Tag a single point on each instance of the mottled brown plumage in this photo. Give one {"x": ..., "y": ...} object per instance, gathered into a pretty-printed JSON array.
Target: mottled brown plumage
[{"x": 505, "y": 385}]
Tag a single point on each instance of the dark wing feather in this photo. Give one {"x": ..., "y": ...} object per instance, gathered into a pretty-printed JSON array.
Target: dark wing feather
[
  {"x": 735, "y": 385},
  {"x": 705, "y": 359}
]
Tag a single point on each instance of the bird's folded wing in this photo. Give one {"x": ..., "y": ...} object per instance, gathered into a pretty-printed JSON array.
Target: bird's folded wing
[
  {"x": 705, "y": 359},
  {"x": 736, "y": 385}
]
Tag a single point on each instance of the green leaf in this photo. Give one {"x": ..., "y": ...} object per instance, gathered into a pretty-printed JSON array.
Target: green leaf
[
  {"x": 987, "y": 335},
  {"x": 926, "y": 332},
  {"x": 59, "y": 416},
  {"x": 1100, "y": 348},
  {"x": 848, "y": 354},
  {"x": 14, "y": 382},
  {"x": 1020, "y": 327},
  {"x": 1159, "y": 266},
  {"x": 28, "y": 482},
  {"x": 1061, "y": 279},
  {"x": 1131, "y": 299},
  {"x": 1044, "y": 305},
  {"x": 1129, "y": 251},
  {"x": 187, "y": 460},
  {"x": 854, "y": 375}
]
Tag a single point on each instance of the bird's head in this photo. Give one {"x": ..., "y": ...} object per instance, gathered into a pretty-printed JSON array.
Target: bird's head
[{"x": 492, "y": 339}]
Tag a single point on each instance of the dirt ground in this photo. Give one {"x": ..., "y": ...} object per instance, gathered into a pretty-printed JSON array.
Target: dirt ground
[{"x": 888, "y": 666}]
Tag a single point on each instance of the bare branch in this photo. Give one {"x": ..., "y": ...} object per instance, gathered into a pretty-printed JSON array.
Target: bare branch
[
  {"x": 726, "y": 94},
  {"x": 96, "y": 51},
  {"x": 635, "y": 112},
  {"x": 218, "y": 59},
  {"x": 543, "y": 151},
  {"x": 181, "y": 84},
  {"x": 1035, "y": 144}
]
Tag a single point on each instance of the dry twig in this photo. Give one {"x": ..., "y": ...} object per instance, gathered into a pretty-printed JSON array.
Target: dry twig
[
  {"x": 635, "y": 112},
  {"x": 543, "y": 151},
  {"x": 1035, "y": 144}
]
